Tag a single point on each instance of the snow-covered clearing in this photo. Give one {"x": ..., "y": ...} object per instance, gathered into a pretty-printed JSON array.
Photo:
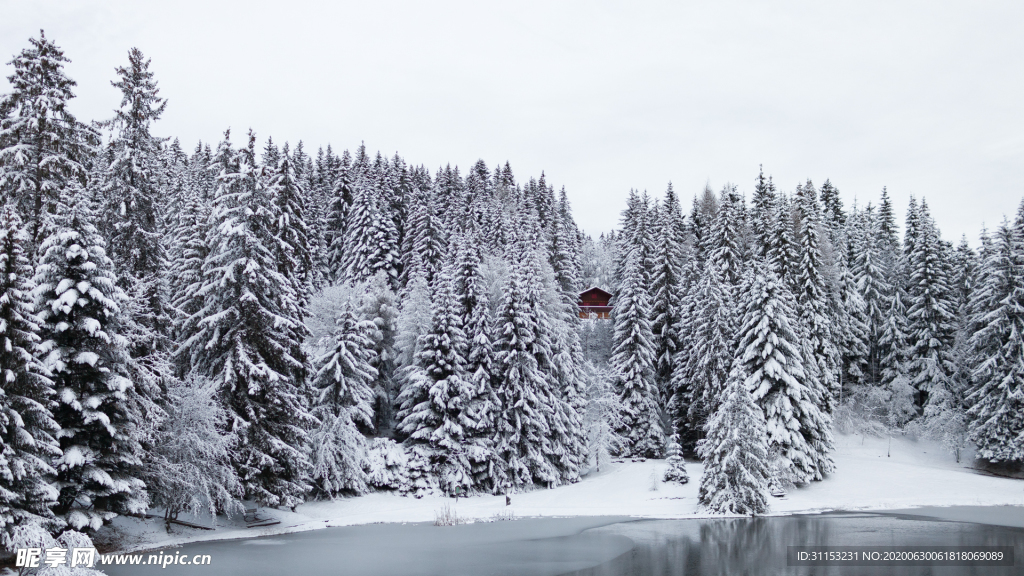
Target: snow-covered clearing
[{"x": 917, "y": 474}]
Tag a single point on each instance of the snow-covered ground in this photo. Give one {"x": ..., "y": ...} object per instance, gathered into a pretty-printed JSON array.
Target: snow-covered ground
[{"x": 917, "y": 474}]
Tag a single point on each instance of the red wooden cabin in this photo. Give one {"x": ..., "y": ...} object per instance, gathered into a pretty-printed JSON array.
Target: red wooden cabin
[{"x": 594, "y": 303}]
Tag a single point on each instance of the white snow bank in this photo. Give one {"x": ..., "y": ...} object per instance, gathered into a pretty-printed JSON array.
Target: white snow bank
[{"x": 916, "y": 474}]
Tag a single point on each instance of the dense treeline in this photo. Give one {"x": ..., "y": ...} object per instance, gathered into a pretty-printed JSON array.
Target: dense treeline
[{"x": 824, "y": 315}]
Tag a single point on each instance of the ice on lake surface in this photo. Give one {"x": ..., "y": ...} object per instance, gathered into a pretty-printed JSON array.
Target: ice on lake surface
[{"x": 606, "y": 546}]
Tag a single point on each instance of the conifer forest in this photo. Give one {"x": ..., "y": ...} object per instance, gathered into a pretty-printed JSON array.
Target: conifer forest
[{"x": 190, "y": 327}]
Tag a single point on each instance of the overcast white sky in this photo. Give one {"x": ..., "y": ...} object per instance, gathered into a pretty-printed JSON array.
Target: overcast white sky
[{"x": 924, "y": 97}]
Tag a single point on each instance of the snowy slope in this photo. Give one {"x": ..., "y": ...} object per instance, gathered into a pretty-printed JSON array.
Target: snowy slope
[{"x": 917, "y": 474}]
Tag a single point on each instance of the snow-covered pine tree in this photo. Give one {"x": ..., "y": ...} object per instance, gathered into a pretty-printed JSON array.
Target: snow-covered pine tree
[
  {"x": 820, "y": 353},
  {"x": 762, "y": 213},
  {"x": 769, "y": 355},
  {"x": 371, "y": 239},
  {"x": 931, "y": 310},
  {"x": 435, "y": 394},
  {"x": 901, "y": 407},
  {"x": 667, "y": 288},
  {"x": 292, "y": 231},
  {"x": 481, "y": 409},
  {"x": 42, "y": 145},
  {"x": 425, "y": 241},
  {"x": 872, "y": 284},
  {"x": 344, "y": 402},
  {"x": 676, "y": 471},
  {"x": 725, "y": 244},
  {"x": 244, "y": 337},
  {"x": 735, "y": 454},
  {"x": 133, "y": 190},
  {"x": 712, "y": 330},
  {"x": 782, "y": 252},
  {"x": 79, "y": 306},
  {"x": 996, "y": 415},
  {"x": 633, "y": 361},
  {"x": 414, "y": 319},
  {"x": 27, "y": 429},
  {"x": 567, "y": 360},
  {"x": 524, "y": 434},
  {"x": 338, "y": 208}
]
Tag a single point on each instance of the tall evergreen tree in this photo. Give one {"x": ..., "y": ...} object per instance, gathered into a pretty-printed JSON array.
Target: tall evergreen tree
[
  {"x": 769, "y": 356},
  {"x": 344, "y": 401},
  {"x": 79, "y": 305},
  {"x": 820, "y": 353},
  {"x": 434, "y": 399},
  {"x": 42, "y": 145},
  {"x": 28, "y": 431},
  {"x": 244, "y": 337},
  {"x": 667, "y": 288},
  {"x": 735, "y": 454},
  {"x": 931, "y": 312},
  {"x": 997, "y": 396},
  {"x": 633, "y": 359}
]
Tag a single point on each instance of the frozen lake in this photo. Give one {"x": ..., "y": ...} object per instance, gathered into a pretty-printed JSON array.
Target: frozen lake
[{"x": 600, "y": 546}]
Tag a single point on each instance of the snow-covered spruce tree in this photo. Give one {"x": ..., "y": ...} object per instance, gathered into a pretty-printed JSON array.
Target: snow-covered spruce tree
[
  {"x": 676, "y": 471},
  {"x": 820, "y": 353},
  {"x": 425, "y": 241},
  {"x": 711, "y": 333},
  {"x": 244, "y": 337},
  {"x": 79, "y": 307},
  {"x": 189, "y": 255},
  {"x": 482, "y": 406},
  {"x": 370, "y": 234},
  {"x": 873, "y": 285},
  {"x": 633, "y": 361},
  {"x": 132, "y": 191},
  {"x": 42, "y": 145},
  {"x": 344, "y": 402},
  {"x": 849, "y": 316},
  {"x": 768, "y": 353},
  {"x": 525, "y": 442},
  {"x": 762, "y": 214},
  {"x": 567, "y": 360},
  {"x": 189, "y": 469},
  {"x": 27, "y": 429},
  {"x": 894, "y": 363},
  {"x": 339, "y": 206},
  {"x": 667, "y": 288},
  {"x": 725, "y": 243},
  {"x": 996, "y": 415},
  {"x": 735, "y": 454},
  {"x": 292, "y": 231},
  {"x": 782, "y": 253},
  {"x": 433, "y": 399},
  {"x": 930, "y": 310}
]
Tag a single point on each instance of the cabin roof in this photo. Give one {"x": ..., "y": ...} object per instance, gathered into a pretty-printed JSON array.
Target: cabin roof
[{"x": 595, "y": 290}]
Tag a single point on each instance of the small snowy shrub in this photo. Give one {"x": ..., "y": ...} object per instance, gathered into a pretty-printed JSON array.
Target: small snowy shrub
[
  {"x": 676, "y": 465},
  {"x": 387, "y": 466}
]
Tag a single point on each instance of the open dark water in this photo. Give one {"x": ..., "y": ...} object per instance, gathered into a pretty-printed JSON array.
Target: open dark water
[{"x": 592, "y": 547}]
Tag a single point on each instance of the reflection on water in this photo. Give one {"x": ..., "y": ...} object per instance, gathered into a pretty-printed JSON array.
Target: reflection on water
[{"x": 758, "y": 546}]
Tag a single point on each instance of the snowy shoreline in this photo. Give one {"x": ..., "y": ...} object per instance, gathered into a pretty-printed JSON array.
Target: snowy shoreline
[{"x": 918, "y": 474}]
